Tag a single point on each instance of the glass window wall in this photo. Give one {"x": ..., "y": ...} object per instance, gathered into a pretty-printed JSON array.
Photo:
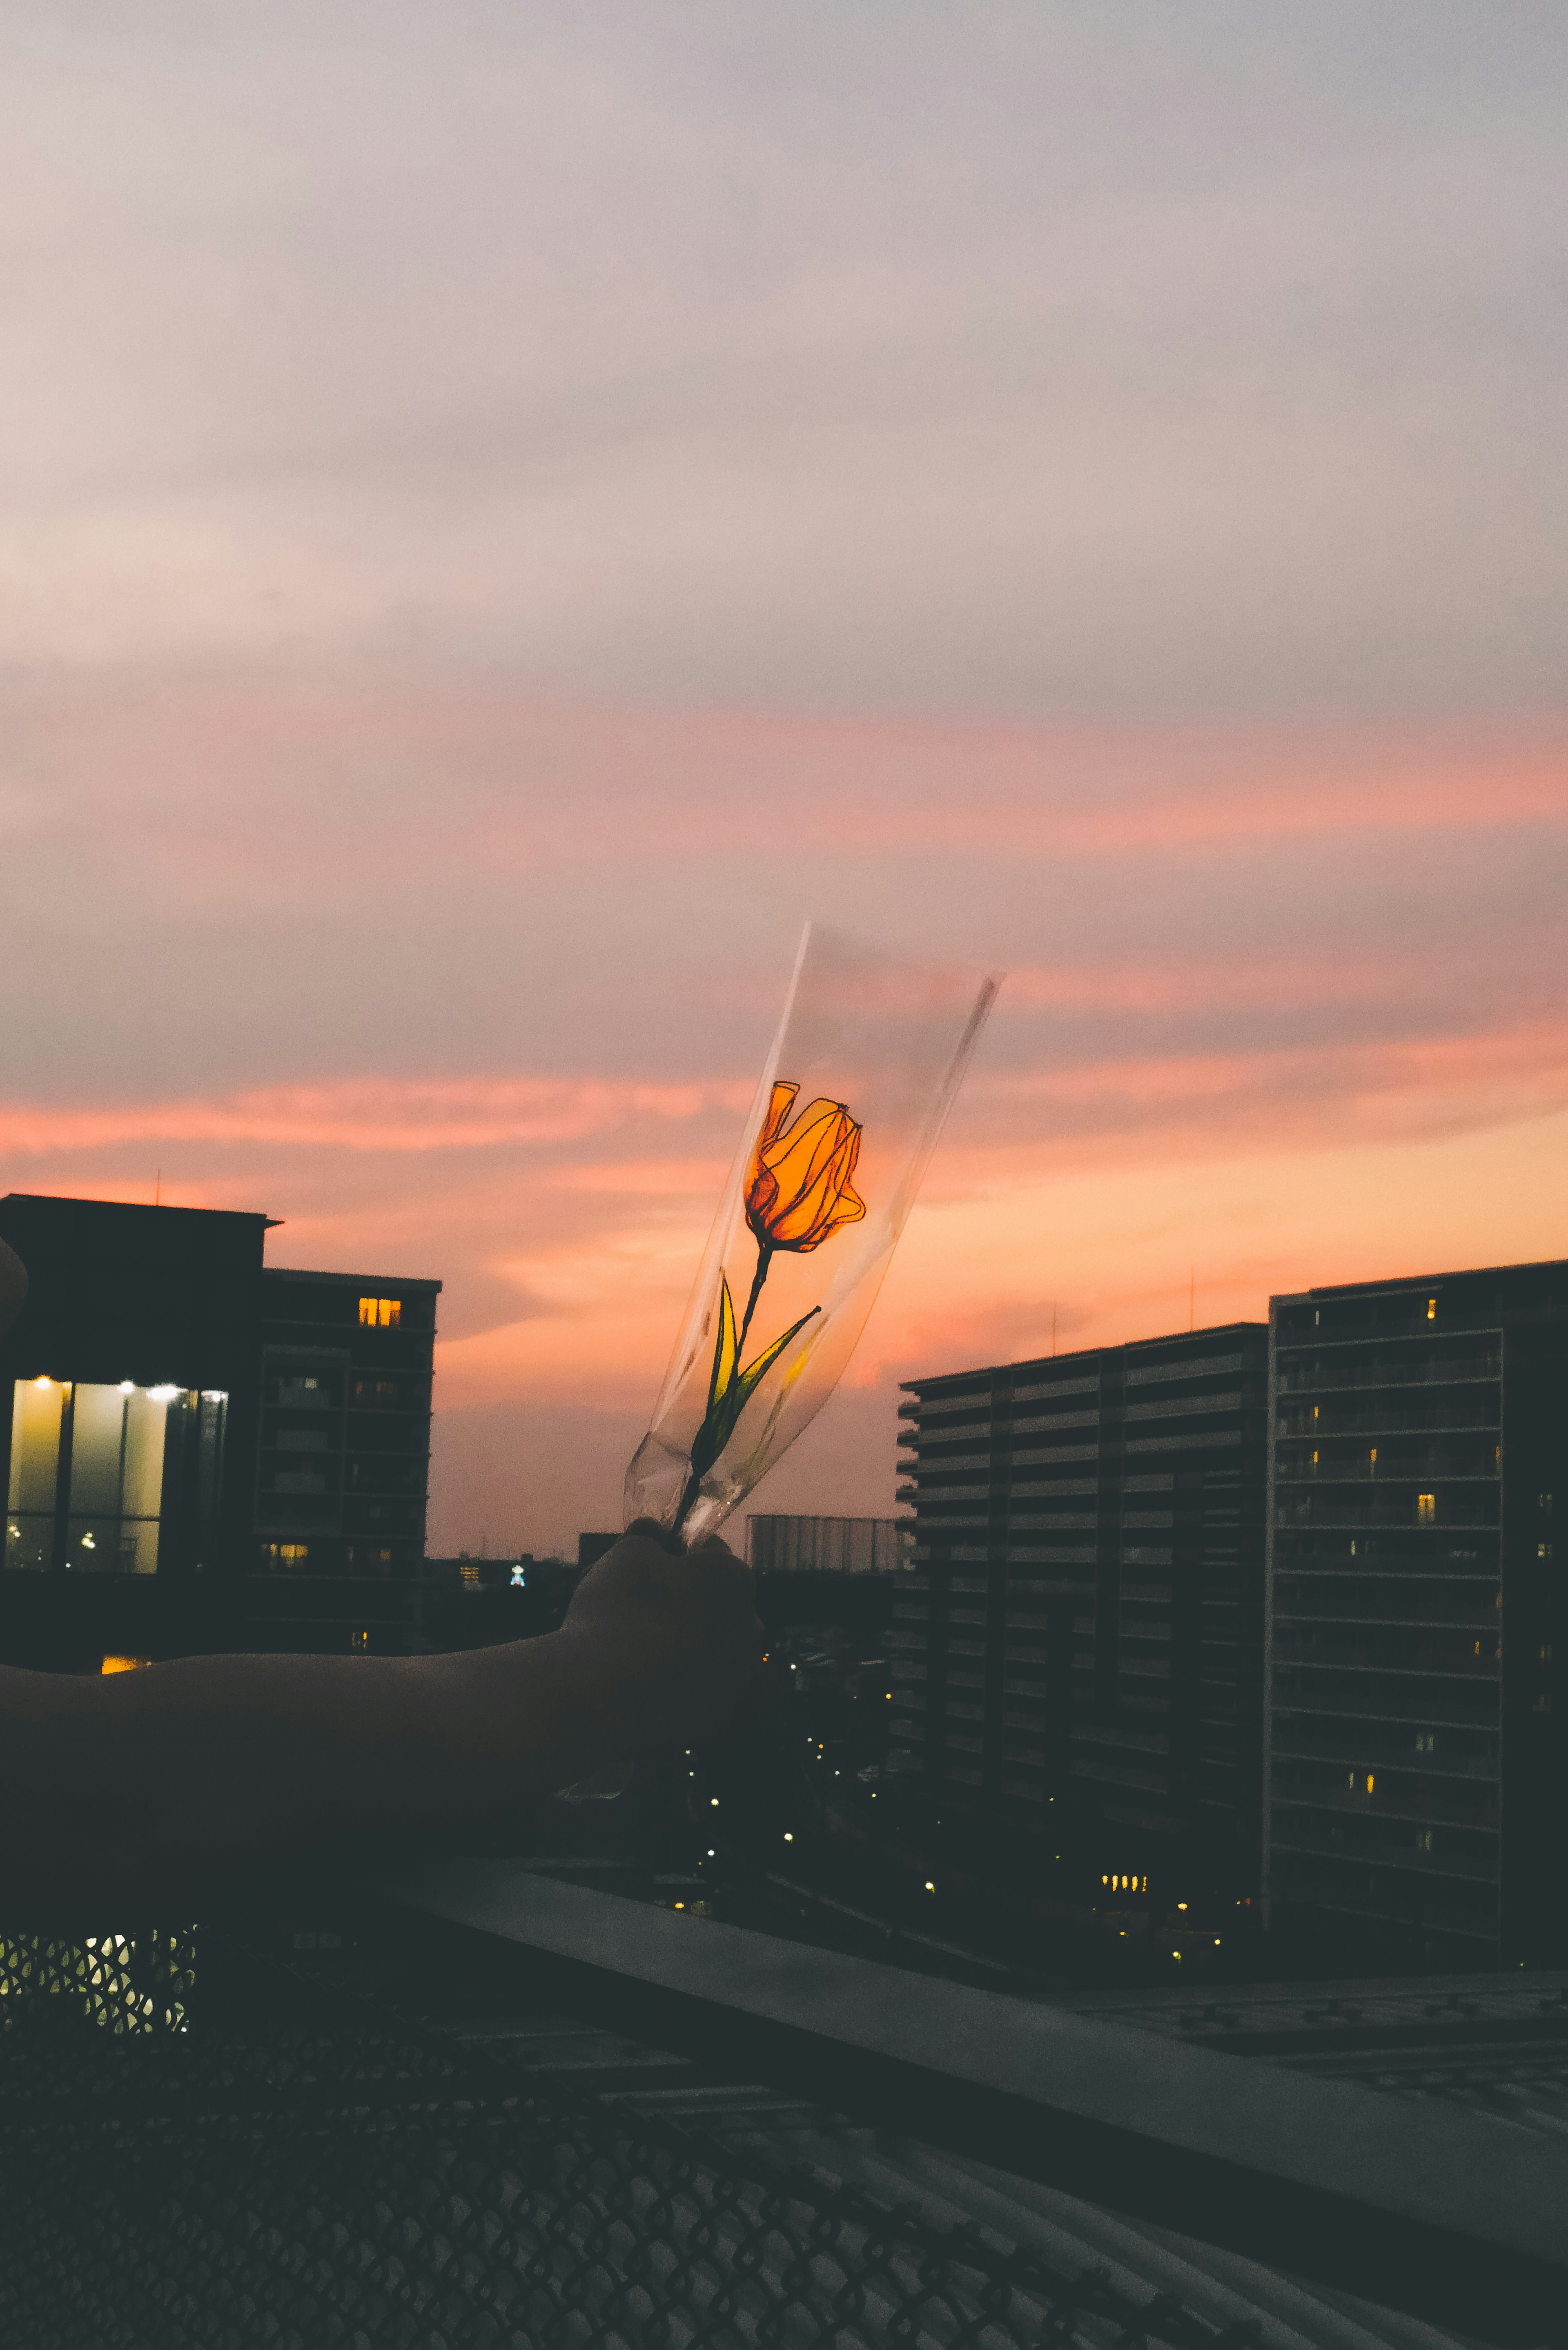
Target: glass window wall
[{"x": 99, "y": 1473}]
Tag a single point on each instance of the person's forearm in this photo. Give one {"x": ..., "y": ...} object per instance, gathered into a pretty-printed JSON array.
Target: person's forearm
[{"x": 147, "y": 1784}]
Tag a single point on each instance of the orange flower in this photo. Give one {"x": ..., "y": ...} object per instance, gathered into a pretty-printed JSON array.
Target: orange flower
[{"x": 799, "y": 1192}]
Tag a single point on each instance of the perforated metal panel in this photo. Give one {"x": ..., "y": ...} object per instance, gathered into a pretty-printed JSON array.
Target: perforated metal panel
[{"x": 202, "y": 2146}]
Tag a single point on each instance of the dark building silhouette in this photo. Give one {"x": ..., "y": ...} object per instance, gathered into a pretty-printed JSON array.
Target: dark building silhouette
[
  {"x": 1417, "y": 1746},
  {"x": 1079, "y": 1649},
  {"x": 197, "y": 1450}
]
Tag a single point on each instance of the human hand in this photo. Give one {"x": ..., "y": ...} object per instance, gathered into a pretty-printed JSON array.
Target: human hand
[{"x": 675, "y": 1632}]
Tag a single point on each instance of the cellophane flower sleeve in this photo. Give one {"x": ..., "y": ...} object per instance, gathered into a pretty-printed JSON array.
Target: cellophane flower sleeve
[{"x": 867, "y": 1058}]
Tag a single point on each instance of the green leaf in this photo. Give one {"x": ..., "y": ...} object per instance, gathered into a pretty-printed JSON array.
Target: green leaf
[
  {"x": 724, "y": 1351},
  {"x": 729, "y": 1396},
  {"x": 765, "y": 1362}
]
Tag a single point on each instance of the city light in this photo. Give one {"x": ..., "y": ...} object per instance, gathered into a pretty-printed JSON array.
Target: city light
[
  {"x": 162, "y": 1394},
  {"x": 930, "y": 1885},
  {"x": 789, "y": 1835}
]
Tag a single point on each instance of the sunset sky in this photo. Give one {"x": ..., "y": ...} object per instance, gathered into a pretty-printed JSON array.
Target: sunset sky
[{"x": 507, "y": 509}]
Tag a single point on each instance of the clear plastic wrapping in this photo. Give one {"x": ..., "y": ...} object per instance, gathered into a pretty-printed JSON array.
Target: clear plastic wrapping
[{"x": 867, "y": 1058}]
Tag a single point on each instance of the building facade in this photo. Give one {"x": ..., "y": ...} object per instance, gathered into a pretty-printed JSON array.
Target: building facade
[
  {"x": 798, "y": 1546},
  {"x": 343, "y": 1459},
  {"x": 1416, "y": 1781},
  {"x": 1080, "y": 1650},
  {"x": 197, "y": 1450}
]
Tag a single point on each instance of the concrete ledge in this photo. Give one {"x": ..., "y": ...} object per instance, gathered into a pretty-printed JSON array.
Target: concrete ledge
[{"x": 1451, "y": 2214}]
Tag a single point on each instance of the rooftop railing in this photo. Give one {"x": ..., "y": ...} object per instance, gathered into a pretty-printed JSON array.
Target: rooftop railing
[{"x": 463, "y": 2104}]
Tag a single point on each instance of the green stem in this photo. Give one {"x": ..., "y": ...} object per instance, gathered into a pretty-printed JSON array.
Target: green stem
[{"x": 765, "y": 1258}]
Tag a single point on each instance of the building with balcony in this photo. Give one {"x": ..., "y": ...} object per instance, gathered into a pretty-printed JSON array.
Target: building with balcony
[
  {"x": 1079, "y": 1652},
  {"x": 198, "y": 1450},
  {"x": 343, "y": 1460},
  {"x": 1417, "y": 1747}
]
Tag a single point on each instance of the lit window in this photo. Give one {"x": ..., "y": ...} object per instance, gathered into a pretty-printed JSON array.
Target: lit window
[
  {"x": 87, "y": 1462},
  {"x": 380, "y": 1313},
  {"x": 357, "y": 1641},
  {"x": 1431, "y": 1309},
  {"x": 1423, "y": 1839},
  {"x": 286, "y": 1554},
  {"x": 1426, "y": 1509},
  {"x": 1543, "y": 1550},
  {"x": 1371, "y": 1782},
  {"x": 124, "y": 1664}
]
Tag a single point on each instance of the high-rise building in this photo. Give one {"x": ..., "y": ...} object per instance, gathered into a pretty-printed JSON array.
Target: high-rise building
[
  {"x": 1416, "y": 1745},
  {"x": 343, "y": 1461},
  {"x": 196, "y": 1449},
  {"x": 1080, "y": 1644}
]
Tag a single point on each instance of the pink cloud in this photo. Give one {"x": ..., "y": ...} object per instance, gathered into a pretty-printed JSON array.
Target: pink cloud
[
  {"x": 484, "y": 774},
  {"x": 366, "y": 1114}
]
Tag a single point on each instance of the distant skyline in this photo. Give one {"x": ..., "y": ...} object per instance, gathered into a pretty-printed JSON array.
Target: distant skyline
[{"x": 502, "y": 515}]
